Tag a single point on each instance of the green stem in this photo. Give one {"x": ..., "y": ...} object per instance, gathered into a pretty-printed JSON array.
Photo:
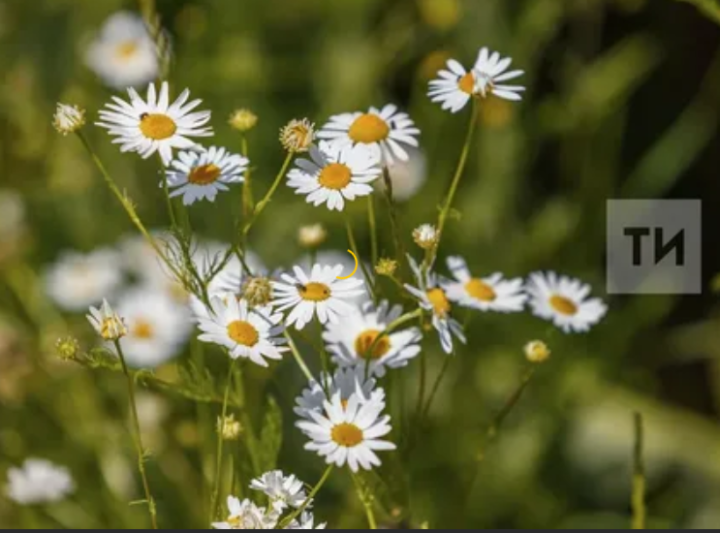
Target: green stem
[
  {"x": 137, "y": 436},
  {"x": 436, "y": 387},
  {"x": 168, "y": 200},
  {"x": 394, "y": 223},
  {"x": 313, "y": 493},
  {"x": 325, "y": 361},
  {"x": 372, "y": 221},
  {"x": 638, "y": 491},
  {"x": 366, "y": 502},
  {"x": 354, "y": 248},
  {"x": 221, "y": 443},
  {"x": 444, "y": 213},
  {"x": 298, "y": 357},
  {"x": 421, "y": 386},
  {"x": 266, "y": 199},
  {"x": 247, "y": 196},
  {"x": 125, "y": 202}
]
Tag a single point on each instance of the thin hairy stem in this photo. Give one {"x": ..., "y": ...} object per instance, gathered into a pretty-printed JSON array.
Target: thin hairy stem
[
  {"x": 366, "y": 501},
  {"x": 268, "y": 196}
]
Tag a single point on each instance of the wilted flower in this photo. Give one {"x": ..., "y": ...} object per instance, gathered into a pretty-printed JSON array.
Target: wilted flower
[
  {"x": 426, "y": 236},
  {"x": 68, "y": 118},
  {"x": 298, "y": 135}
]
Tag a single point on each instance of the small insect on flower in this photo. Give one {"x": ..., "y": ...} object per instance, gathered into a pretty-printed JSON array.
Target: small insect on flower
[
  {"x": 348, "y": 432},
  {"x": 201, "y": 174},
  {"x": 39, "y": 482},
  {"x": 76, "y": 281},
  {"x": 68, "y": 118},
  {"x": 334, "y": 174},
  {"x": 564, "y": 302},
  {"x": 537, "y": 352},
  {"x": 124, "y": 54},
  {"x": 360, "y": 340},
  {"x": 456, "y": 86},
  {"x": 385, "y": 131},
  {"x": 493, "y": 293},
  {"x": 283, "y": 491},
  {"x": 243, "y": 120},
  {"x": 319, "y": 293},
  {"x": 247, "y": 515},
  {"x": 426, "y": 236},
  {"x": 253, "y": 334},
  {"x": 346, "y": 382},
  {"x": 109, "y": 325},
  {"x": 155, "y": 125},
  {"x": 298, "y": 136},
  {"x": 432, "y": 295},
  {"x": 312, "y": 236}
]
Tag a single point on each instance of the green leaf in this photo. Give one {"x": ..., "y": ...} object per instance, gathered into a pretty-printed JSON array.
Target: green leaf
[
  {"x": 711, "y": 8},
  {"x": 270, "y": 437}
]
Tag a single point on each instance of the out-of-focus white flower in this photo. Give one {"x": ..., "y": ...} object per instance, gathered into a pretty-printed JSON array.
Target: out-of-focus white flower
[
  {"x": 39, "y": 482},
  {"x": 247, "y": 515},
  {"x": 123, "y": 54},
  {"x": 407, "y": 177},
  {"x": 359, "y": 340},
  {"x": 157, "y": 327},
  {"x": 76, "y": 281},
  {"x": 312, "y": 236},
  {"x": 385, "y": 131},
  {"x": 12, "y": 208},
  {"x": 307, "y": 521},
  {"x": 283, "y": 491},
  {"x": 154, "y": 125},
  {"x": 68, "y": 118}
]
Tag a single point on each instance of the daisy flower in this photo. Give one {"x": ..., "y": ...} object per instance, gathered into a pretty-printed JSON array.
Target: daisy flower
[
  {"x": 108, "y": 324},
  {"x": 348, "y": 432},
  {"x": 77, "y": 281},
  {"x": 350, "y": 341},
  {"x": 433, "y": 297},
  {"x": 247, "y": 515},
  {"x": 338, "y": 257},
  {"x": 200, "y": 175},
  {"x": 564, "y": 302},
  {"x": 386, "y": 132},
  {"x": 307, "y": 521},
  {"x": 335, "y": 173},
  {"x": 346, "y": 382},
  {"x": 123, "y": 54},
  {"x": 493, "y": 293},
  {"x": 490, "y": 71},
  {"x": 39, "y": 482},
  {"x": 157, "y": 327},
  {"x": 319, "y": 293},
  {"x": 155, "y": 125},
  {"x": 456, "y": 86},
  {"x": 283, "y": 491},
  {"x": 248, "y": 334}
]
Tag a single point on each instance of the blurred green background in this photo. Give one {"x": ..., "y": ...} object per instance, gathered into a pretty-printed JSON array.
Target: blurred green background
[{"x": 623, "y": 101}]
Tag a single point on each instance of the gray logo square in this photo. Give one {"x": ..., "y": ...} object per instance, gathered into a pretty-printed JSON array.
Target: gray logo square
[{"x": 654, "y": 246}]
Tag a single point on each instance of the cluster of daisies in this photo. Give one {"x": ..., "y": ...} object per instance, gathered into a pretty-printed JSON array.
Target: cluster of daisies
[
  {"x": 250, "y": 311},
  {"x": 288, "y": 506}
]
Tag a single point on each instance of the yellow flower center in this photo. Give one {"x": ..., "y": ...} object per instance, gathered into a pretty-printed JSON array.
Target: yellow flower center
[
  {"x": 314, "y": 292},
  {"x": 480, "y": 290},
  {"x": 142, "y": 329},
  {"x": 563, "y": 305},
  {"x": 126, "y": 50},
  {"x": 347, "y": 435},
  {"x": 368, "y": 129},
  {"x": 204, "y": 175},
  {"x": 335, "y": 176},
  {"x": 367, "y": 339},
  {"x": 157, "y": 126},
  {"x": 438, "y": 299},
  {"x": 243, "y": 333},
  {"x": 467, "y": 83}
]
